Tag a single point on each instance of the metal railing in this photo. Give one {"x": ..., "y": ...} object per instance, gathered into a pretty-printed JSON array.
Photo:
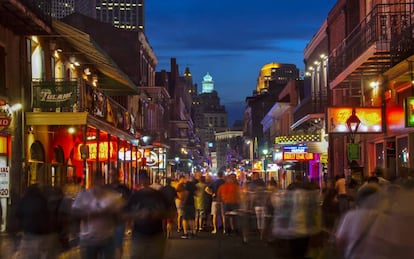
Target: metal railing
[{"x": 379, "y": 27}]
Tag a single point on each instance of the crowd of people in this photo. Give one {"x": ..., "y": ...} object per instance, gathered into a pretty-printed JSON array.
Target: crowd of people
[{"x": 363, "y": 220}]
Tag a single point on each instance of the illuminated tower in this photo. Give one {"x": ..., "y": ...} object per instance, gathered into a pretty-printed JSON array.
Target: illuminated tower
[{"x": 207, "y": 84}]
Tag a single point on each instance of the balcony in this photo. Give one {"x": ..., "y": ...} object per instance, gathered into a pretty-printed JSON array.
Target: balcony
[
  {"x": 402, "y": 46},
  {"x": 67, "y": 96},
  {"x": 366, "y": 50},
  {"x": 310, "y": 106}
]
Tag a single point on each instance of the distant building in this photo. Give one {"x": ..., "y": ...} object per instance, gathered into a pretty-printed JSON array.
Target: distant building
[
  {"x": 207, "y": 84},
  {"x": 209, "y": 115},
  {"x": 271, "y": 81}
]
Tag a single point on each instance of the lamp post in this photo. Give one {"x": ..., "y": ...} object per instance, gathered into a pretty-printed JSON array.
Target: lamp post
[
  {"x": 353, "y": 123},
  {"x": 265, "y": 151},
  {"x": 353, "y": 150}
]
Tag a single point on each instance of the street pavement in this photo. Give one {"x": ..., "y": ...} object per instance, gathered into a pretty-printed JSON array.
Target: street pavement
[{"x": 204, "y": 246}]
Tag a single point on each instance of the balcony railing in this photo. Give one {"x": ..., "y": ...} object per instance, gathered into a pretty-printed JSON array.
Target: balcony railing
[
  {"x": 66, "y": 96},
  {"x": 378, "y": 28},
  {"x": 402, "y": 46},
  {"x": 310, "y": 106}
]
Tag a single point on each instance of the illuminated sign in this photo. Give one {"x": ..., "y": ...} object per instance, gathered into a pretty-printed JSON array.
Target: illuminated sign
[
  {"x": 5, "y": 114},
  {"x": 371, "y": 119},
  {"x": 297, "y": 156},
  {"x": 409, "y": 111},
  {"x": 93, "y": 152}
]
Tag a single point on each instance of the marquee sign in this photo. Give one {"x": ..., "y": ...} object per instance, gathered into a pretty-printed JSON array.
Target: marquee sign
[
  {"x": 370, "y": 117},
  {"x": 297, "y": 153}
]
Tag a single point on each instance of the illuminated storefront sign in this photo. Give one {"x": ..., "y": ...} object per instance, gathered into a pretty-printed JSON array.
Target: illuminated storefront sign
[
  {"x": 370, "y": 117},
  {"x": 5, "y": 114},
  {"x": 93, "y": 152},
  {"x": 409, "y": 112},
  {"x": 298, "y": 153},
  {"x": 297, "y": 156},
  {"x": 152, "y": 157}
]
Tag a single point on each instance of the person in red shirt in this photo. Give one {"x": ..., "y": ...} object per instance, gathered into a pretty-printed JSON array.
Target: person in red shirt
[{"x": 229, "y": 195}]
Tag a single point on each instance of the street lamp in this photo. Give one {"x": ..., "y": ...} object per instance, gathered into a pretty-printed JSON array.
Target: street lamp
[
  {"x": 265, "y": 151},
  {"x": 353, "y": 123},
  {"x": 353, "y": 149}
]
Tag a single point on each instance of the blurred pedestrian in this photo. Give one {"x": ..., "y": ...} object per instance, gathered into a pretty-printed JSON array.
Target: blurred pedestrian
[
  {"x": 98, "y": 209},
  {"x": 147, "y": 208},
  {"x": 189, "y": 209},
  {"x": 179, "y": 202},
  {"x": 341, "y": 193},
  {"x": 258, "y": 199},
  {"x": 39, "y": 217},
  {"x": 216, "y": 205},
  {"x": 170, "y": 194},
  {"x": 229, "y": 194},
  {"x": 200, "y": 203},
  {"x": 296, "y": 220},
  {"x": 124, "y": 191}
]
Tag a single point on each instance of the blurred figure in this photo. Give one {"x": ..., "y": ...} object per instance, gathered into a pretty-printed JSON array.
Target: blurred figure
[
  {"x": 200, "y": 203},
  {"x": 341, "y": 193},
  {"x": 258, "y": 198},
  {"x": 124, "y": 191},
  {"x": 379, "y": 173},
  {"x": 229, "y": 194},
  {"x": 71, "y": 224},
  {"x": 189, "y": 209},
  {"x": 171, "y": 195},
  {"x": 381, "y": 226},
  {"x": 98, "y": 209},
  {"x": 330, "y": 207},
  {"x": 216, "y": 204},
  {"x": 296, "y": 219},
  {"x": 41, "y": 224},
  {"x": 147, "y": 208},
  {"x": 156, "y": 184},
  {"x": 179, "y": 202}
]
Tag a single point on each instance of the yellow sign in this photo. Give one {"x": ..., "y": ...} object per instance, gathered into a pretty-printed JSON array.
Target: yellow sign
[{"x": 324, "y": 158}]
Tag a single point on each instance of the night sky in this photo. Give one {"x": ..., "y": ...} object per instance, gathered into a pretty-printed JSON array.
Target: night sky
[{"x": 231, "y": 39}]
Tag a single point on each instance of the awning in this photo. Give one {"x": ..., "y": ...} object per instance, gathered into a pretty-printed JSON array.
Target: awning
[
  {"x": 75, "y": 118},
  {"x": 113, "y": 78}
]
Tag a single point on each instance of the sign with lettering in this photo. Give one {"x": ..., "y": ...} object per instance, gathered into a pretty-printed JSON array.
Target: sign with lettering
[
  {"x": 4, "y": 182},
  {"x": 5, "y": 114},
  {"x": 297, "y": 156}
]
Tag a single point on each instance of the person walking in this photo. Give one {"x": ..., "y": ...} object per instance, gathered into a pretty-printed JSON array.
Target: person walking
[
  {"x": 216, "y": 205},
  {"x": 200, "y": 201},
  {"x": 98, "y": 209},
  {"x": 342, "y": 195},
  {"x": 179, "y": 202},
  {"x": 40, "y": 224},
  {"x": 147, "y": 208},
  {"x": 170, "y": 193},
  {"x": 124, "y": 191},
  {"x": 229, "y": 194},
  {"x": 189, "y": 209}
]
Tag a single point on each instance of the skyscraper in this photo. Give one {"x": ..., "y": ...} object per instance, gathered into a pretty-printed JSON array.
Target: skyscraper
[{"x": 124, "y": 14}]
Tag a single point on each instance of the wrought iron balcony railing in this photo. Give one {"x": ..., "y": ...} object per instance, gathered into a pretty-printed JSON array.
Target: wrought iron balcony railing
[{"x": 378, "y": 28}]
